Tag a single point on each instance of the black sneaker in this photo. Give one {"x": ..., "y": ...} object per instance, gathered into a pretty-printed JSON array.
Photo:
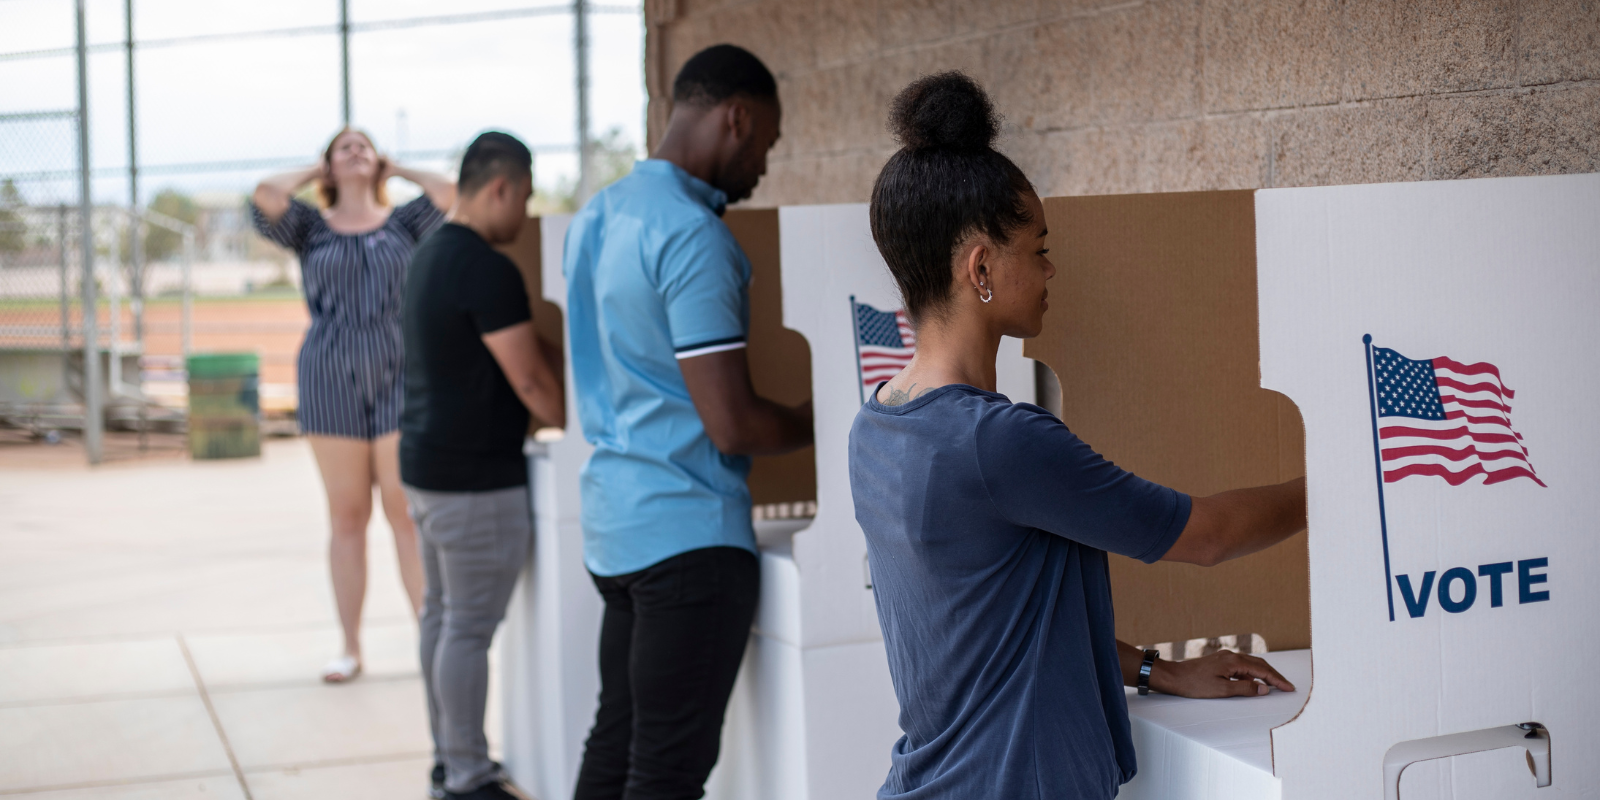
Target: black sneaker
[
  {"x": 436, "y": 782},
  {"x": 493, "y": 790},
  {"x": 436, "y": 790}
]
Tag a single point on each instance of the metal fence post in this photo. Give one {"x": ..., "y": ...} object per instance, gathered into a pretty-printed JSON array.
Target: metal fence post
[
  {"x": 136, "y": 245},
  {"x": 184, "y": 323},
  {"x": 113, "y": 329},
  {"x": 93, "y": 422},
  {"x": 66, "y": 300},
  {"x": 580, "y": 54},
  {"x": 344, "y": 57}
]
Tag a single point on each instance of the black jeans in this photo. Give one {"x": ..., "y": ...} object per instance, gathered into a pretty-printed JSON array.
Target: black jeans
[{"x": 670, "y": 645}]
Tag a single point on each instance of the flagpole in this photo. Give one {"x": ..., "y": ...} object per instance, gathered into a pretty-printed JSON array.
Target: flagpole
[
  {"x": 1377, "y": 456},
  {"x": 855, "y": 334}
]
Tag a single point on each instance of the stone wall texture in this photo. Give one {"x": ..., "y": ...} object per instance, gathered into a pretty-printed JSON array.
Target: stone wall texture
[{"x": 1170, "y": 95}]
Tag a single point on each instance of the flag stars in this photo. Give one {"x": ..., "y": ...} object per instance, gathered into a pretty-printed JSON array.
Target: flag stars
[{"x": 1405, "y": 387}]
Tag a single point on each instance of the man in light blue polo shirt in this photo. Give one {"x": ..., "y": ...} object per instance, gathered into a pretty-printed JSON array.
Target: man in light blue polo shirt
[{"x": 658, "y": 311}]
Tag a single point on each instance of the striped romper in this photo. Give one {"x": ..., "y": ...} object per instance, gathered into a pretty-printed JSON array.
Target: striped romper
[{"x": 350, "y": 366}]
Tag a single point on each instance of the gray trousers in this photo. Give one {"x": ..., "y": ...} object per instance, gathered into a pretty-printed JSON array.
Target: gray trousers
[{"x": 473, "y": 546}]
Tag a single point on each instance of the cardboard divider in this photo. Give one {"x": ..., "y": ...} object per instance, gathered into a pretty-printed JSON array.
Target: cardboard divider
[
  {"x": 1161, "y": 346},
  {"x": 548, "y": 321},
  {"x": 780, "y": 358},
  {"x": 1152, "y": 333}
]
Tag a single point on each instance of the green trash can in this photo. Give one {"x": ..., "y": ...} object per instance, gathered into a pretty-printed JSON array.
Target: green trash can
[{"x": 224, "y": 405}]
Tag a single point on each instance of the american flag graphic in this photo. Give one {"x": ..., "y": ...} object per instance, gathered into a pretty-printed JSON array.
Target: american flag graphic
[
  {"x": 1446, "y": 419},
  {"x": 884, "y": 343}
]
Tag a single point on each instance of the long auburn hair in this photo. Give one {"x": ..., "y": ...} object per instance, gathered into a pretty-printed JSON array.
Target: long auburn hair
[{"x": 328, "y": 191}]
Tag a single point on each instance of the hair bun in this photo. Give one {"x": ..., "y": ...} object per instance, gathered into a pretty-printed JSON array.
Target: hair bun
[{"x": 945, "y": 110}]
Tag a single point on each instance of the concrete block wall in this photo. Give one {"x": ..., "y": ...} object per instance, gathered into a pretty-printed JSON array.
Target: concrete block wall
[{"x": 1171, "y": 95}]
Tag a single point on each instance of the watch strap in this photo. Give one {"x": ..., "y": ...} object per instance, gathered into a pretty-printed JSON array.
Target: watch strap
[{"x": 1145, "y": 667}]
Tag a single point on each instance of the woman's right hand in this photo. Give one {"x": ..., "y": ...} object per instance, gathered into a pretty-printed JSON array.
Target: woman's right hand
[
  {"x": 274, "y": 192},
  {"x": 1221, "y": 674}
]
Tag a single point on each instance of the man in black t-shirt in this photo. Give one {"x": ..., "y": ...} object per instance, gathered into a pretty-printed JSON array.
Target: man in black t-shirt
[{"x": 474, "y": 371}]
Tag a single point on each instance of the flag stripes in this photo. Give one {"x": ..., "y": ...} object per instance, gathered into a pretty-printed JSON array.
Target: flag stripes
[
  {"x": 1446, "y": 419},
  {"x": 885, "y": 343}
]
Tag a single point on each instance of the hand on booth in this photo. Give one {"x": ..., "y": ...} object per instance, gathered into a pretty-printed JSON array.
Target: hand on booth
[
  {"x": 1221, "y": 674},
  {"x": 1223, "y": 527}
]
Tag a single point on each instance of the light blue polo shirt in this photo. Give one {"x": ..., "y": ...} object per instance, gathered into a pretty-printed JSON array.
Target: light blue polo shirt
[{"x": 653, "y": 276}]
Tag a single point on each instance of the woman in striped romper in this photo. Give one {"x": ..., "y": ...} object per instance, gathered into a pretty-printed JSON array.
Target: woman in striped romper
[{"x": 353, "y": 258}]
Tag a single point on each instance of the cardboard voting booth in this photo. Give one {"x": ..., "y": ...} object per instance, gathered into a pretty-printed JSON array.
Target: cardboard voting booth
[
  {"x": 1438, "y": 341},
  {"x": 548, "y": 644},
  {"x": 1413, "y": 349},
  {"x": 1206, "y": 341},
  {"x": 1152, "y": 335},
  {"x": 813, "y": 713}
]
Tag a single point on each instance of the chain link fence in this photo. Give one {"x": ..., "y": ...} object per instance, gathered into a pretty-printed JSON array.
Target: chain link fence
[
  {"x": 38, "y": 217},
  {"x": 41, "y": 274},
  {"x": 42, "y": 294},
  {"x": 222, "y": 95}
]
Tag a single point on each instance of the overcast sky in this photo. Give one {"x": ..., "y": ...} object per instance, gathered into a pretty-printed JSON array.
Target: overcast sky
[{"x": 279, "y": 97}]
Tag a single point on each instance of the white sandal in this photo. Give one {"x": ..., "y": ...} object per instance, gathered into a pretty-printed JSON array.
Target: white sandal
[{"x": 341, "y": 669}]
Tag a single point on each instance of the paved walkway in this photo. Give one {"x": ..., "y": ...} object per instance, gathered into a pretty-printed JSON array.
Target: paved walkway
[{"x": 162, "y": 624}]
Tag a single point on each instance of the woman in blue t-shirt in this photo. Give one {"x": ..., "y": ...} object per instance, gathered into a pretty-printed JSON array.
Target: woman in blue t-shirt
[{"x": 988, "y": 522}]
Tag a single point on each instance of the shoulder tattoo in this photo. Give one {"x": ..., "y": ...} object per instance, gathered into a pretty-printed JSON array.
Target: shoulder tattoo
[{"x": 899, "y": 397}]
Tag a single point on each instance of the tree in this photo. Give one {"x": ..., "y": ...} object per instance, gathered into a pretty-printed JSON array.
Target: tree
[
  {"x": 161, "y": 244},
  {"x": 13, "y": 227},
  {"x": 613, "y": 158}
]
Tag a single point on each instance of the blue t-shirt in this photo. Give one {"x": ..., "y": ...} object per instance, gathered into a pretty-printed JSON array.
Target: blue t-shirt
[
  {"x": 653, "y": 276},
  {"x": 987, "y": 529}
]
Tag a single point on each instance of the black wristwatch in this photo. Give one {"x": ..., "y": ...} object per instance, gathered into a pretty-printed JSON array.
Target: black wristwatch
[{"x": 1148, "y": 664}]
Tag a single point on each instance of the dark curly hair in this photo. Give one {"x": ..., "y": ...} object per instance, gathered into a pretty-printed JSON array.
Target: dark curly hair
[{"x": 945, "y": 183}]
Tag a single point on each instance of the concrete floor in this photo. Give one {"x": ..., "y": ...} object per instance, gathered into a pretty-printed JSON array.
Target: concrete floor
[{"x": 162, "y": 626}]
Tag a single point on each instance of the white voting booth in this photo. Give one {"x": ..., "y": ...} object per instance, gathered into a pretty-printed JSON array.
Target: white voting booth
[
  {"x": 813, "y": 714},
  {"x": 1446, "y": 573},
  {"x": 1169, "y": 315},
  {"x": 1444, "y": 614},
  {"x": 548, "y": 644},
  {"x": 1152, "y": 332}
]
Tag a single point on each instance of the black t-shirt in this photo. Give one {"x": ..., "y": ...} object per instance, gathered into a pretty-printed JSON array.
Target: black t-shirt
[{"x": 463, "y": 427}]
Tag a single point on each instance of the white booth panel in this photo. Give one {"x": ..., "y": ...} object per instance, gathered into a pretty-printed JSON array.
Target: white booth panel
[
  {"x": 549, "y": 642},
  {"x": 1497, "y": 274},
  {"x": 1213, "y": 749},
  {"x": 549, "y": 659},
  {"x": 763, "y": 735}
]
